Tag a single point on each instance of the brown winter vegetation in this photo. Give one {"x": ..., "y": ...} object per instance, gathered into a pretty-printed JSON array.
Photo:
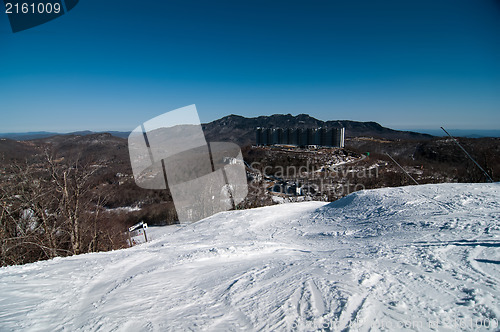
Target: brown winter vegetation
[
  {"x": 320, "y": 175},
  {"x": 71, "y": 194}
]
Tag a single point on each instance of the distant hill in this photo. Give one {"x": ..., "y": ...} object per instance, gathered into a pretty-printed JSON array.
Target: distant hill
[
  {"x": 44, "y": 134},
  {"x": 470, "y": 133},
  {"x": 28, "y": 136},
  {"x": 241, "y": 130}
]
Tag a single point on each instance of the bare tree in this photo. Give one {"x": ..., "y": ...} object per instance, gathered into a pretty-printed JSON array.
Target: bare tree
[{"x": 50, "y": 208}]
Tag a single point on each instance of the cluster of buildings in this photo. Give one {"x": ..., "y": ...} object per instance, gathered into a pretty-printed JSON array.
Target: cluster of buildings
[{"x": 332, "y": 137}]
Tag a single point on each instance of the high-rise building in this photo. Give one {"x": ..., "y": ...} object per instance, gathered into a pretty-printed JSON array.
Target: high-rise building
[{"x": 301, "y": 137}]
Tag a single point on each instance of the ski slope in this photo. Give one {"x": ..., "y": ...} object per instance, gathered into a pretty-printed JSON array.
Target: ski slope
[{"x": 423, "y": 258}]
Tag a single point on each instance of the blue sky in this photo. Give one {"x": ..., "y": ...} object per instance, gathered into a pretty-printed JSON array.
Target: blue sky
[{"x": 111, "y": 65}]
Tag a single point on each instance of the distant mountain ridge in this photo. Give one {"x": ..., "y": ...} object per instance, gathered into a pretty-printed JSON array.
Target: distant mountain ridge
[
  {"x": 470, "y": 133},
  {"x": 27, "y": 136},
  {"x": 241, "y": 130}
]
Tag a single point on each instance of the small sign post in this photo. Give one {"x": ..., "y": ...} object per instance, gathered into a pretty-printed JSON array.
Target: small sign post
[{"x": 136, "y": 230}]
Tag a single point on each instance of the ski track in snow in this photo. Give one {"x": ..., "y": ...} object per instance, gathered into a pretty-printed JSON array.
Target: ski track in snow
[{"x": 425, "y": 256}]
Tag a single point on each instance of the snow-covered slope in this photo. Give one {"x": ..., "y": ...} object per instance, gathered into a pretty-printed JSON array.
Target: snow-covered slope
[{"x": 416, "y": 258}]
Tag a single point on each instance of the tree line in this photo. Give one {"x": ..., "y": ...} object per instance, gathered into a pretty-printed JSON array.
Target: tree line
[{"x": 53, "y": 207}]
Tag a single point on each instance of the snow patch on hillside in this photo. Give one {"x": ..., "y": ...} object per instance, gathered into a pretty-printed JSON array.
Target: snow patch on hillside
[{"x": 417, "y": 258}]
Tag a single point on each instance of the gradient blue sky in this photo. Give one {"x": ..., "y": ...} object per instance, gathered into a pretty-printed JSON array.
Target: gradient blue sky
[{"x": 111, "y": 65}]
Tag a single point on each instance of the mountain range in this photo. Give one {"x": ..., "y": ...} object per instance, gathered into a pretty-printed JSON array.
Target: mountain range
[{"x": 241, "y": 130}]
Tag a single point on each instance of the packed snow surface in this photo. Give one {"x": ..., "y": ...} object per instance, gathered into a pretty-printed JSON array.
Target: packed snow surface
[{"x": 410, "y": 258}]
